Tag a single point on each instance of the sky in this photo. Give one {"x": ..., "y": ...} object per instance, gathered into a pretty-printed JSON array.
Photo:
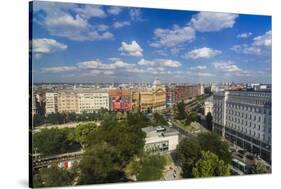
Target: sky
[{"x": 92, "y": 44}]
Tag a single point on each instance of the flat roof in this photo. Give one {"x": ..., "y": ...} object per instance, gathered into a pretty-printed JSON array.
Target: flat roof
[{"x": 152, "y": 131}]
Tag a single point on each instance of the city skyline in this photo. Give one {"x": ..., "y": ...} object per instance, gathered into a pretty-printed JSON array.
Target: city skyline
[{"x": 91, "y": 44}]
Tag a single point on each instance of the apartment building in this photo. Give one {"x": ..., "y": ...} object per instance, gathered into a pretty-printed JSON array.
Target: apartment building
[
  {"x": 244, "y": 118},
  {"x": 208, "y": 105},
  {"x": 51, "y": 102},
  {"x": 67, "y": 101},
  {"x": 150, "y": 99},
  {"x": 178, "y": 93},
  {"x": 92, "y": 101}
]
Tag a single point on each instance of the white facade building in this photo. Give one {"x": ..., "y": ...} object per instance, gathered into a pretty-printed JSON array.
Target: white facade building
[
  {"x": 160, "y": 139},
  {"x": 208, "y": 106},
  {"x": 90, "y": 102},
  {"x": 244, "y": 118},
  {"x": 51, "y": 103}
]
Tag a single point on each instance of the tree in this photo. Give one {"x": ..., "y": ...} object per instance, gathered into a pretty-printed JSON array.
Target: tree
[
  {"x": 54, "y": 141},
  {"x": 83, "y": 132},
  {"x": 152, "y": 168},
  {"x": 209, "y": 121},
  {"x": 187, "y": 153},
  {"x": 212, "y": 142},
  {"x": 54, "y": 176},
  {"x": 100, "y": 164},
  {"x": 38, "y": 120},
  {"x": 210, "y": 165},
  {"x": 259, "y": 168},
  {"x": 159, "y": 119},
  {"x": 180, "y": 112}
]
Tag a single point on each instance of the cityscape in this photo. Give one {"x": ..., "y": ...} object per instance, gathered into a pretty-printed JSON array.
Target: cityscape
[{"x": 120, "y": 94}]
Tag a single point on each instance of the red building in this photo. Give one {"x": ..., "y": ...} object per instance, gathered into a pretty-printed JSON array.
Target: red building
[{"x": 120, "y": 99}]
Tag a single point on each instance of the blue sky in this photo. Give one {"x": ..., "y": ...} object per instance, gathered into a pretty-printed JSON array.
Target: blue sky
[{"x": 89, "y": 43}]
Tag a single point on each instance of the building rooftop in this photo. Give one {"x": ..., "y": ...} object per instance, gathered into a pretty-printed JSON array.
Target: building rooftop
[{"x": 159, "y": 131}]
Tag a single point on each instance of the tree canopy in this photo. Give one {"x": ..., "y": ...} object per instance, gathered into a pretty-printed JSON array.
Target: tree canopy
[
  {"x": 53, "y": 176},
  {"x": 213, "y": 143},
  {"x": 180, "y": 111},
  {"x": 187, "y": 153},
  {"x": 210, "y": 165},
  {"x": 54, "y": 141},
  {"x": 152, "y": 168}
]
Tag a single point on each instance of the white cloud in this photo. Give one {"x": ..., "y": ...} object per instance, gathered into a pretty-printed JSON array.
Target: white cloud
[
  {"x": 102, "y": 27},
  {"x": 160, "y": 62},
  {"x": 171, "y": 38},
  {"x": 132, "y": 49},
  {"x": 89, "y": 11},
  {"x": 227, "y": 66},
  {"x": 199, "y": 74},
  {"x": 75, "y": 25},
  {"x": 204, "y": 52},
  {"x": 96, "y": 64},
  {"x": 261, "y": 45},
  {"x": 122, "y": 24},
  {"x": 263, "y": 40},
  {"x": 114, "y": 10},
  {"x": 135, "y": 14},
  {"x": 199, "y": 68},
  {"x": 244, "y": 35},
  {"x": 212, "y": 21},
  {"x": 45, "y": 46},
  {"x": 59, "y": 69},
  {"x": 108, "y": 72}
]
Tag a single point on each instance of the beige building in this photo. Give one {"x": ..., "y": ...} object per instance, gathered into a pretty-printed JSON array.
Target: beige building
[
  {"x": 90, "y": 102},
  {"x": 153, "y": 99},
  {"x": 51, "y": 103},
  {"x": 67, "y": 102}
]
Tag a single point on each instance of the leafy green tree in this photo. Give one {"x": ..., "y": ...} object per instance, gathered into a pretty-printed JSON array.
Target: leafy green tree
[
  {"x": 180, "y": 111},
  {"x": 213, "y": 143},
  {"x": 159, "y": 119},
  {"x": 209, "y": 121},
  {"x": 38, "y": 120},
  {"x": 83, "y": 132},
  {"x": 54, "y": 141},
  {"x": 210, "y": 165},
  {"x": 259, "y": 168},
  {"x": 137, "y": 119},
  {"x": 55, "y": 176},
  {"x": 152, "y": 168},
  {"x": 100, "y": 164},
  {"x": 187, "y": 153}
]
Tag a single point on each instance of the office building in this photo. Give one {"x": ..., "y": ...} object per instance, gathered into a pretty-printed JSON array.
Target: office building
[
  {"x": 160, "y": 138},
  {"x": 244, "y": 118}
]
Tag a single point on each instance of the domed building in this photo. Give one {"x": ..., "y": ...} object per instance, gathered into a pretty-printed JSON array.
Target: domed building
[{"x": 150, "y": 99}]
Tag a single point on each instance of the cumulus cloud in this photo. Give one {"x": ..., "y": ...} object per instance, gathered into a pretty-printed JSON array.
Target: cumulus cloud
[
  {"x": 198, "y": 68},
  {"x": 172, "y": 37},
  {"x": 212, "y": 21},
  {"x": 45, "y": 46},
  {"x": 89, "y": 11},
  {"x": 114, "y": 10},
  {"x": 135, "y": 14},
  {"x": 96, "y": 64},
  {"x": 244, "y": 35},
  {"x": 227, "y": 66},
  {"x": 160, "y": 62},
  {"x": 72, "y": 21},
  {"x": 261, "y": 45},
  {"x": 59, "y": 69},
  {"x": 121, "y": 24},
  {"x": 133, "y": 49},
  {"x": 204, "y": 52}
]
